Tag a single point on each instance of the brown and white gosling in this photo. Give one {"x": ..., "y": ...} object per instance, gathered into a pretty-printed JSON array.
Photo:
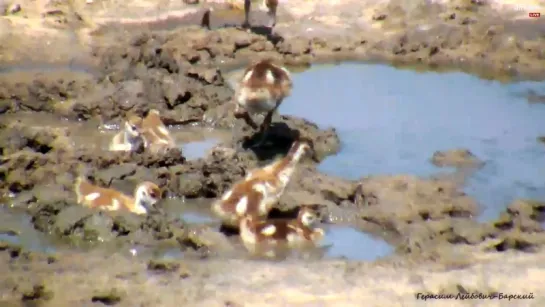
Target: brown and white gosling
[
  {"x": 156, "y": 136},
  {"x": 273, "y": 236},
  {"x": 263, "y": 87},
  {"x": 145, "y": 196},
  {"x": 259, "y": 191},
  {"x": 128, "y": 139}
]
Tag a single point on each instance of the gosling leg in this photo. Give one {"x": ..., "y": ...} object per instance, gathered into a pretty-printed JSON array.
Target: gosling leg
[
  {"x": 247, "y": 7},
  {"x": 264, "y": 129},
  {"x": 272, "y": 5}
]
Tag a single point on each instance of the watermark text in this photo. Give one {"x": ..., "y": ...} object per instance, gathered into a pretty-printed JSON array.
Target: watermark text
[{"x": 474, "y": 296}]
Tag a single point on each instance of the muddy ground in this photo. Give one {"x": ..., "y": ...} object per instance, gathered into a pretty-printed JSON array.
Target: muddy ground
[{"x": 95, "y": 63}]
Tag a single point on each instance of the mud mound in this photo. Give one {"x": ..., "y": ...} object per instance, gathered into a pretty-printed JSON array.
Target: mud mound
[
  {"x": 520, "y": 227},
  {"x": 428, "y": 215}
]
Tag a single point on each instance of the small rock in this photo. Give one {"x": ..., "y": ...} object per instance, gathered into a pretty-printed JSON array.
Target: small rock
[
  {"x": 98, "y": 227},
  {"x": 128, "y": 94},
  {"x": 455, "y": 158},
  {"x": 260, "y": 46},
  {"x": 296, "y": 48},
  {"x": 116, "y": 172},
  {"x": 190, "y": 185},
  {"x": 163, "y": 266},
  {"x": 125, "y": 223},
  {"x": 50, "y": 193},
  {"x": 210, "y": 76},
  {"x": 206, "y": 239},
  {"x": 175, "y": 94},
  {"x": 109, "y": 297},
  {"x": 380, "y": 17},
  {"x": 242, "y": 40},
  {"x": 67, "y": 219},
  {"x": 38, "y": 292}
]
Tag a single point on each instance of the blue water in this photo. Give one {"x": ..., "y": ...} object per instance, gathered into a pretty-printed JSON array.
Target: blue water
[
  {"x": 27, "y": 236},
  {"x": 196, "y": 218},
  {"x": 198, "y": 149},
  {"x": 353, "y": 244},
  {"x": 391, "y": 121}
]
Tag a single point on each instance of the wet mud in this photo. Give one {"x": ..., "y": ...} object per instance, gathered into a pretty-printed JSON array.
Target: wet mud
[{"x": 182, "y": 70}]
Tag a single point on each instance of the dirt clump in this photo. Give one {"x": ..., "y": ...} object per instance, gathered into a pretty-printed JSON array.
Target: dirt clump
[
  {"x": 455, "y": 158},
  {"x": 520, "y": 227}
]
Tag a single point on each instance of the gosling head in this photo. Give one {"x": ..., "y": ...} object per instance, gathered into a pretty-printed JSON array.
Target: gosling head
[
  {"x": 133, "y": 124},
  {"x": 147, "y": 195},
  {"x": 302, "y": 146},
  {"x": 308, "y": 216}
]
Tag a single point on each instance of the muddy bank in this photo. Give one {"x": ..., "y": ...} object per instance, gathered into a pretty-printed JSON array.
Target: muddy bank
[
  {"x": 117, "y": 280},
  {"x": 496, "y": 40}
]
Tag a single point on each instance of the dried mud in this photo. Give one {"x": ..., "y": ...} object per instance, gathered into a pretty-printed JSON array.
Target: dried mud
[{"x": 182, "y": 72}]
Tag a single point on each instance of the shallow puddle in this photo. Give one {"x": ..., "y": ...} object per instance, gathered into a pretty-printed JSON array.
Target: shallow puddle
[
  {"x": 16, "y": 228},
  {"x": 349, "y": 243},
  {"x": 339, "y": 242},
  {"x": 192, "y": 211},
  {"x": 391, "y": 121},
  {"x": 27, "y": 70},
  {"x": 195, "y": 141},
  {"x": 198, "y": 149}
]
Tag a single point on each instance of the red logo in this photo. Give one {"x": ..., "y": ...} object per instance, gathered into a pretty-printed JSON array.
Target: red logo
[{"x": 534, "y": 14}]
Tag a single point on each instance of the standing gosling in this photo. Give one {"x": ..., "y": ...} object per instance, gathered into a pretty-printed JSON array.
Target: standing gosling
[
  {"x": 128, "y": 139},
  {"x": 156, "y": 136},
  {"x": 271, "y": 5},
  {"x": 262, "y": 89},
  {"x": 269, "y": 237},
  {"x": 145, "y": 196},
  {"x": 257, "y": 193}
]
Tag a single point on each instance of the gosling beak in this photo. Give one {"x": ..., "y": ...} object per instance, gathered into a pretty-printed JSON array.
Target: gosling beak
[{"x": 153, "y": 208}]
